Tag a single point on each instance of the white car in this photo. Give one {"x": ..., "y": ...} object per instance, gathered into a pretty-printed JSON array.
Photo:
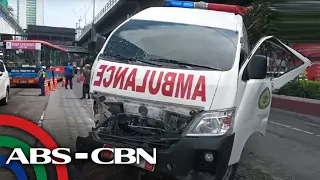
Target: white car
[{"x": 4, "y": 84}]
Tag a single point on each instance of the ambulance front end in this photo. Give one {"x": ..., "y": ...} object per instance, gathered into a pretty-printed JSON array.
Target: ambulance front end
[
  {"x": 172, "y": 82},
  {"x": 154, "y": 85}
]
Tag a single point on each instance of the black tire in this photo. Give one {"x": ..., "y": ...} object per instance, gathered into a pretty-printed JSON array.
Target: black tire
[
  {"x": 4, "y": 101},
  {"x": 230, "y": 174},
  {"x": 91, "y": 171}
]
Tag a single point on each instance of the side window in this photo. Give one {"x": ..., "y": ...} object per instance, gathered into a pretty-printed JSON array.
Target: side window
[
  {"x": 279, "y": 59},
  {"x": 1, "y": 67}
]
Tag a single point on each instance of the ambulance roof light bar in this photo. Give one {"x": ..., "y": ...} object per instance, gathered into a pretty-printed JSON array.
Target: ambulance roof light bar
[{"x": 209, "y": 6}]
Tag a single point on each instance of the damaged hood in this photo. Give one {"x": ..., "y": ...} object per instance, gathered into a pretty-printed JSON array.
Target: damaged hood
[{"x": 175, "y": 86}]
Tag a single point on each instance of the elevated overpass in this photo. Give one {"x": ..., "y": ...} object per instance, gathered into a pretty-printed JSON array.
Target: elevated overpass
[
  {"x": 8, "y": 25},
  {"x": 294, "y": 21},
  {"x": 116, "y": 11},
  {"x": 111, "y": 15}
]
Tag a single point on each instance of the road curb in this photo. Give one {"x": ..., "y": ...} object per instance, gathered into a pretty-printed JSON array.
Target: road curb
[{"x": 297, "y": 105}]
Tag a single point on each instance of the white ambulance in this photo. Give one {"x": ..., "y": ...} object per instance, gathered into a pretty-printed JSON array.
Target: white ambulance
[{"x": 181, "y": 78}]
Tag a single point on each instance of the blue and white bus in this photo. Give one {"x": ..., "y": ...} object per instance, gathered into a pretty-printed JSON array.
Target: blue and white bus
[{"x": 24, "y": 59}]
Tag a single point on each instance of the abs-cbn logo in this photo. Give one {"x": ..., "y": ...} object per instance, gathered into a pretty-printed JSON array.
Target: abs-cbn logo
[{"x": 110, "y": 155}]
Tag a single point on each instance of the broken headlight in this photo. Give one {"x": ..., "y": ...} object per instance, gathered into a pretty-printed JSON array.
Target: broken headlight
[{"x": 212, "y": 123}]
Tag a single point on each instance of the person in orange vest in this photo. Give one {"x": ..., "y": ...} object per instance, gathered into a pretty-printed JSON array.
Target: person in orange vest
[{"x": 41, "y": 80}]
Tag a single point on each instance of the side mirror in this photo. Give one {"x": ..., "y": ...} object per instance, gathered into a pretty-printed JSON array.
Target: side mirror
[
  {"x": 100, "y": 42},
  {"x": 257, "y": 67}
]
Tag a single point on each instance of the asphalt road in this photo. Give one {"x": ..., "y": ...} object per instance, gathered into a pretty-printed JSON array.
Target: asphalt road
[
  {"x": 289, "y": 151},
  {"x": 25, "y": 103}
]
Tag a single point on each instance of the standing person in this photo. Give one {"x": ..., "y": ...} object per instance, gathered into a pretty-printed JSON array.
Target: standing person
[
  {"x": 41, "y": 80},
  {"x": 86, "y": 82},
  {"x": 68, "y": 75},
  {"x": 76, "y": 69},
  {"x": 53, "y": 76}
]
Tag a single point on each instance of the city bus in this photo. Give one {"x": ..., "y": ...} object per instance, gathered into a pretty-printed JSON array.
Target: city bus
[{"x": 24, "y": 59}]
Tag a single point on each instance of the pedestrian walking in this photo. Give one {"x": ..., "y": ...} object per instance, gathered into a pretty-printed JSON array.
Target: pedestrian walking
[
  {"x": 69, "y": 75},
  {"x": 41, "y": 80},
  {"x": 86, "y": 82}
]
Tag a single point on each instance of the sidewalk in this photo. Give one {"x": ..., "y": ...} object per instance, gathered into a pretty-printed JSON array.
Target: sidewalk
[{"x": 67, "y": 116}]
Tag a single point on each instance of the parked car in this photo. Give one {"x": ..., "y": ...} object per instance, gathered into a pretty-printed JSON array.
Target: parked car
[{"x": 4, "y": 84}]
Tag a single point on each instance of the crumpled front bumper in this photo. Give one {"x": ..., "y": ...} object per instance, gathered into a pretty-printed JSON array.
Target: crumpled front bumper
[{"x": 183, "y": 160}]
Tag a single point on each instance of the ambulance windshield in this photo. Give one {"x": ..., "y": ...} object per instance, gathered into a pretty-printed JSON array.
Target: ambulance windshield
[{"x": 187, "y": 43}]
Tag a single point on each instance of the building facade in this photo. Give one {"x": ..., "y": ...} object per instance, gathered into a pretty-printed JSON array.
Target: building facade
[
  {"x": 4, "y": 3},
  {"x": 53, "y": 35},
  {"x": 30, "y": 12}
]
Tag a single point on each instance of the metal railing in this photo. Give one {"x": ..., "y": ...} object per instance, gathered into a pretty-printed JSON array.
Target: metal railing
[
  {"x": 110, "y": 4},
  {"x": 6, "y": 15}
]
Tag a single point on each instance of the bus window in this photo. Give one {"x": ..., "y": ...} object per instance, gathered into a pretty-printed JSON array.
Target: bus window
[{"x": 21, "y": 58}]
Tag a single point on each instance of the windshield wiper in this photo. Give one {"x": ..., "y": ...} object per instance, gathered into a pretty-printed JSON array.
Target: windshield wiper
[
  {"x": 184, "y": 63},
  {"x": 121, "y": 57}
]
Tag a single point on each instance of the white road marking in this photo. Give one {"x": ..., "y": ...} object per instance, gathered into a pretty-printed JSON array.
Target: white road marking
[
  {"x": 308, "y": 132},
  {"x": 293, "y": 128},
  {"x": 280, "y": 124},
  {"x": 42, "y": 115},
  {"x": 40, "y": 122},
  {"x": 312, "y": 124},
  {"x": 41, "y": 119},
  {"x": 297, "y": 129}
]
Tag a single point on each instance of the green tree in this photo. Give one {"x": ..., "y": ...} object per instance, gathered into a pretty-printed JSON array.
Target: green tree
[{"x": 257, "y": 21}]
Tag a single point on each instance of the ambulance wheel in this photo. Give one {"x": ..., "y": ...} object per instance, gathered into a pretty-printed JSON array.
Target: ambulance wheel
[
  {"x": 91, "y": 171},
  {"x": 4, "y": 101}
]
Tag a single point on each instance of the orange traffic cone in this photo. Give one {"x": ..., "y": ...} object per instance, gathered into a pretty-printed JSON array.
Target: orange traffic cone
[
  {"x": 63, "y": 82},
  {"x": 55, "y": 83},
  {"x": 51, "y": 85},
  {"x": 46, "y": 87}
]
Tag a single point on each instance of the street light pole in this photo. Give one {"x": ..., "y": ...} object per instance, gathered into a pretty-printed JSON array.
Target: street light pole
[
  {"x": 93, "y": 15},
  {"x": 93, "y": 10},
  {"x": 93, "y": 31}
]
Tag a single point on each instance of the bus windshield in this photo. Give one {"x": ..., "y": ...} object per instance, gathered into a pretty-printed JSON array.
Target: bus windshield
[{"x": 22, "y": 58}]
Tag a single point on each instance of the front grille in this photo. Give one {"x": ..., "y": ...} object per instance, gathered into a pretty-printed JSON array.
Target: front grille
[{"x": 142, "y": 141}]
